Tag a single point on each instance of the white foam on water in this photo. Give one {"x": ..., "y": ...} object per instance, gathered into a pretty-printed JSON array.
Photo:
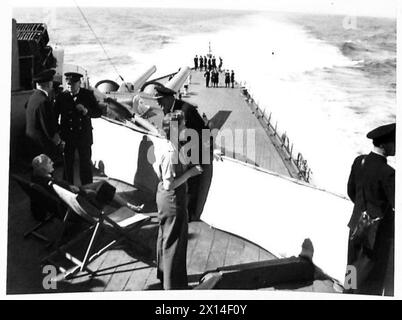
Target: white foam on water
[{"x": 275, "y": 57}]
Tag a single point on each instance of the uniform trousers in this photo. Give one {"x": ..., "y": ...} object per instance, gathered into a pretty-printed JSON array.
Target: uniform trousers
[
  {"x": 85, "y": 163},
  {"x": 374, "y": 268},
  {"x": 172, "y": 237}
]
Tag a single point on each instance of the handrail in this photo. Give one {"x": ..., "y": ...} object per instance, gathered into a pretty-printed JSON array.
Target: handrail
[{"x": 304, "y": 172}]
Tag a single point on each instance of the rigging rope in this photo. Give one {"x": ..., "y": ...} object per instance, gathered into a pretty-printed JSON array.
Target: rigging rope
[{"x": 99, "y": 41}]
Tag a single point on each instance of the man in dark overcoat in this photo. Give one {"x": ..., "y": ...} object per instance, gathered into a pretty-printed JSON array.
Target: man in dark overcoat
[
  {"x": 195, "y": 62},
  {"x": 41, "y": 123},
  {"x": 371, "y": 187},
  {"x": 232, "y": 78},
  {"x": 76, "y": 106},
  {"x": 227, "y": 79},
  {"x": 207, "y": 76},
  {"x": 201, "y": 60}
]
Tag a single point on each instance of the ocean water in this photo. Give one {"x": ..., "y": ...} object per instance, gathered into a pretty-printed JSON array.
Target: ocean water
[{"x": 326, "y": 84}]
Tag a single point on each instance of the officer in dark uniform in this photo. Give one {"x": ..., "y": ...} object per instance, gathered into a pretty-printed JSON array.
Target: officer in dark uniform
[
  {"x": 213, "y": 61},
  {"x": 227, "y": 79},
  {"x": 371, "y": 186},
  {"x": 201, "y": 60},
  {"x": 207, "y": 76},
  {"x": 41, "y": 124},
  {"x": 195, "y": 62},
  {"x": 198, "y": 186},
  {"x": 213, "y": 78},
  {"x": 232, "y": 78},
  {"x": 76, "y": 106}
]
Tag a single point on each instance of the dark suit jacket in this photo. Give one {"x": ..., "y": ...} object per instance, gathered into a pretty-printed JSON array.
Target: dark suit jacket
[
  {"x": 193, "y": 118},
  {"x": 40, "y": 121},
  {"x": 74, "y": 126},
  {"x": 376, "y": 180},
  {"x": 193, "y": 121}
]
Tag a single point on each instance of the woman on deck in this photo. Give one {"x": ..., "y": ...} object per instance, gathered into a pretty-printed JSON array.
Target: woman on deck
[{"x": 171, "y": 199}]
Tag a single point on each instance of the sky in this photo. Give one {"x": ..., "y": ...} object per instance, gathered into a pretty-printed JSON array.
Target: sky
[{"x": 350, "y": 7}]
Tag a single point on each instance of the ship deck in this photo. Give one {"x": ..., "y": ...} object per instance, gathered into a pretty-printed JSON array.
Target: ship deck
[
  {"x": 118, "y": 269},
  {"x": 121, "y": 270},
  {"x": 228, "y": 110}
]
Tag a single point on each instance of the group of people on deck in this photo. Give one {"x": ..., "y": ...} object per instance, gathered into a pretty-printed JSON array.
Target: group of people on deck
[
  {"x": 58, "y": 125},
  {"x": 212, "y": 71},
  {"x": 212, "y": 78},
  {"x": 203, "y": 63},
  {"x": 62, "y": 124}
]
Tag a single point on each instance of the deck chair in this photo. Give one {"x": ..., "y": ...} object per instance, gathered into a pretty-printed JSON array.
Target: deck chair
[
  {"x": 119, "y": 223},
  {"x": 44, "y": 206}
]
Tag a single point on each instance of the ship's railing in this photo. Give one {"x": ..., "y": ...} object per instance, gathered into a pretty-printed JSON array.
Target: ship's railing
[{"x": 284, "y": 143}]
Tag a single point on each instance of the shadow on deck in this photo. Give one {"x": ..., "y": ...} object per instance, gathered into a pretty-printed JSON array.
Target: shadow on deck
[{"x": 118, "y": 269}]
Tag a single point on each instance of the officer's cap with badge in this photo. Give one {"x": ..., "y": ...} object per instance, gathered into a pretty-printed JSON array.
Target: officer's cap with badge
[
  {"x": 44, "y": 76},
  {"x": 383, "y": 134},
  {"x": 73, "y": 76}
]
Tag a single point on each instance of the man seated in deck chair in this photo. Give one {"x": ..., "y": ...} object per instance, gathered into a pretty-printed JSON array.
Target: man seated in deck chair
[{"x": 98, "y": 193}]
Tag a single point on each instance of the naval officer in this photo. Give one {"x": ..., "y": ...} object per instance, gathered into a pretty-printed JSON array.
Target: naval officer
[
  {"x": 195, "y": 62},
  {"x": 207, "y": 76},
  {"x": 76, "y": 106},
  {"x": 198, "y": 186},
  {"x": 171, "y": 200},
  {"x": 371, "y": 187},
  {"x": 41, "y": 124}
]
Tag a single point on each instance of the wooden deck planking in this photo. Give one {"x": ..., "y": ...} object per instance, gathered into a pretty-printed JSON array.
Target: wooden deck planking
[
  {"x": 233, "y": 251},
  {"x": 152, "y": 283},
  {"x": 106, "y": 268},
  {"x": 193, "y": 236},
  {"x": 217, "y": 253},
  {"x": 121, "y": 273},
  {"x": 138, "y": 276},
  {"x": 198, "y": 260},
  {"x": 94, "y": 266},
  {"x": 250, "y": 253}
]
